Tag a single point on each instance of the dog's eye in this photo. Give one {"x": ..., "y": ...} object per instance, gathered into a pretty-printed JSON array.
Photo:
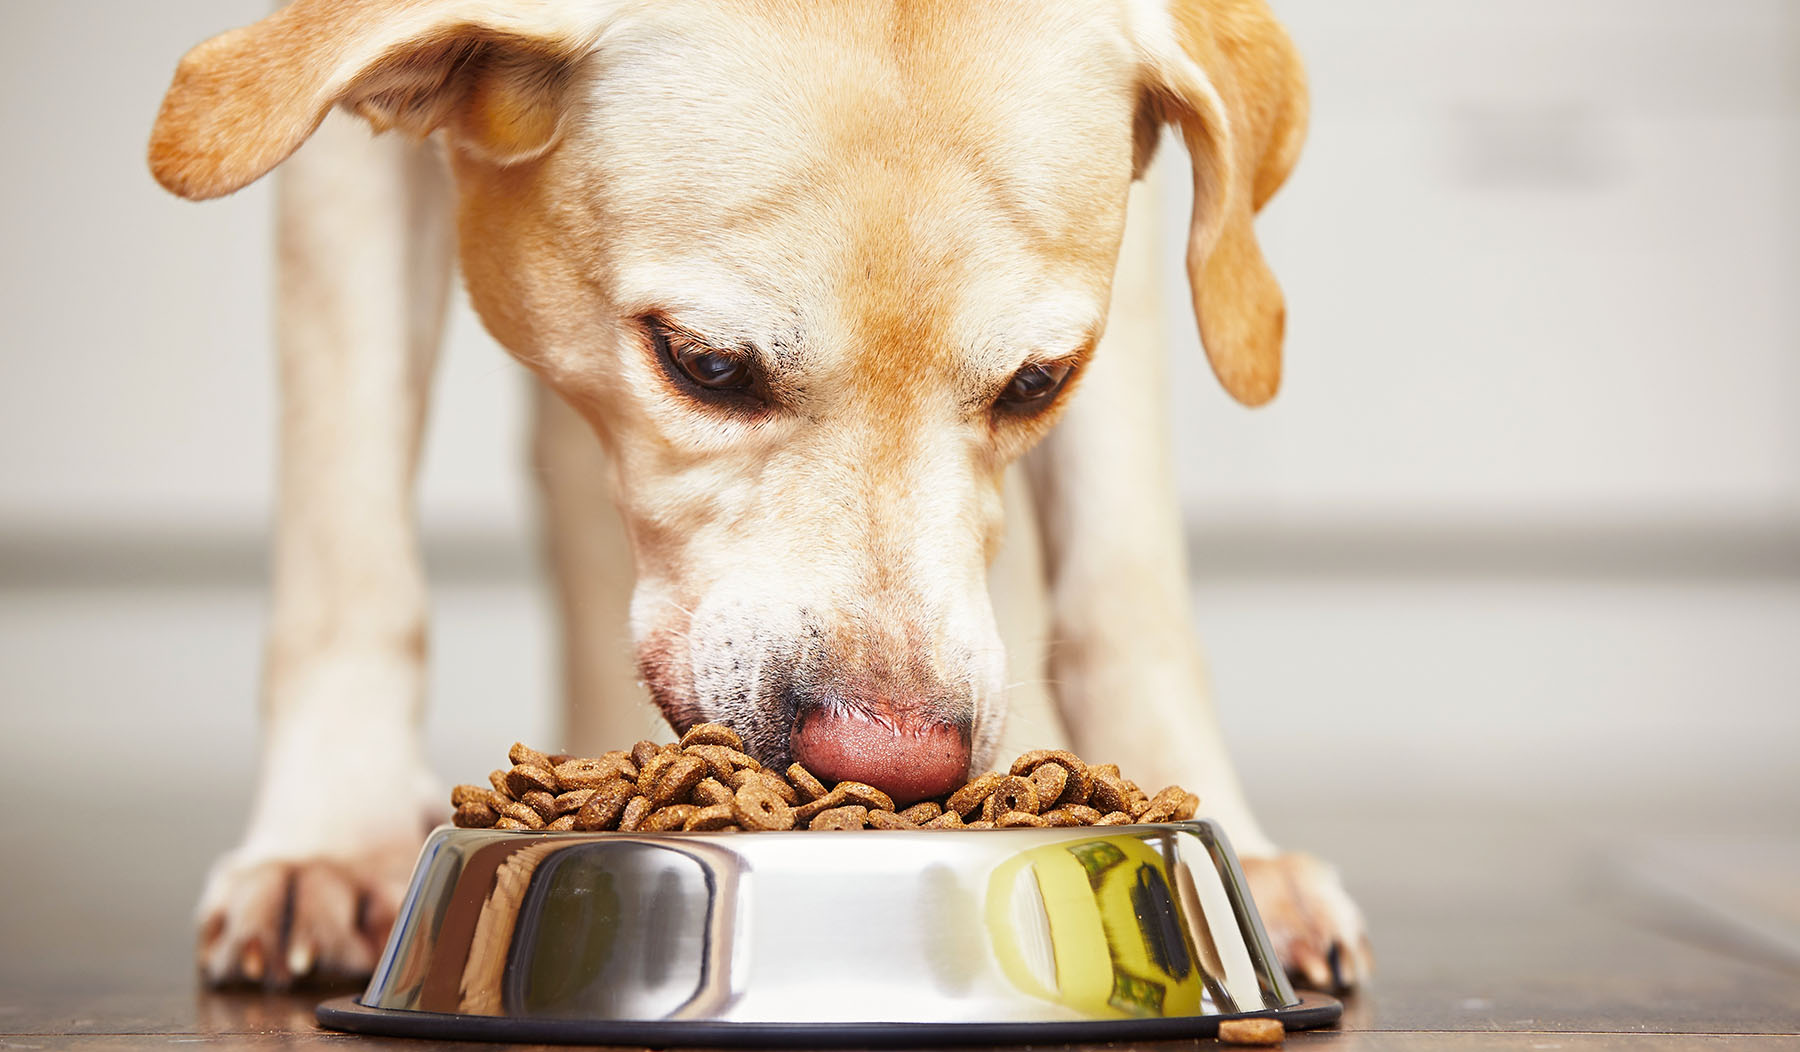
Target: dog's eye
[
  {"x": 1035, "y": 384},
  {"x": 714, "y": 370},
  {"x": 707, "y": 368}
]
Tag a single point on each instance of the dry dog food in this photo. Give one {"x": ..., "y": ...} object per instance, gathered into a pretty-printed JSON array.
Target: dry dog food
[
  {"x": 707, "y": 782},
  {"x": 1252, "y": 1031}
]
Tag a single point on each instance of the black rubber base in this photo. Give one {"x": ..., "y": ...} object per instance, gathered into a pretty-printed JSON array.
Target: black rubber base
[{"x": 346, "y": 1013}]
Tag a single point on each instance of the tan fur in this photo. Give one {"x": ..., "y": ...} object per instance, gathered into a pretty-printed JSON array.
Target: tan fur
[
  {"x": 1244, "y": 136},
  {"x": 894, "y": 207}
]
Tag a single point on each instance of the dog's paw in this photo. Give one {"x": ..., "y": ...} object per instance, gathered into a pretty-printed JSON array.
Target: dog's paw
[
  {"x": 1317, "y": 931},
  {"x": 281, "y": 922}
]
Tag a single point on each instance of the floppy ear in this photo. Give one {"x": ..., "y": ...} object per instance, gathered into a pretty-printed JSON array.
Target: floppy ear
[
  {"x": 1225, "y": 73},
  {"x": 492, "y": 73}
]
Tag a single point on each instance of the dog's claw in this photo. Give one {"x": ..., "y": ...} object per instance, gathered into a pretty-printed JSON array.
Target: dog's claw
[
  {"x": 1316, "y": 929},
  {"x": 251, "y": 963},
  {"x": 280, "y": 922},
  {"x": 300, "y": 959}
]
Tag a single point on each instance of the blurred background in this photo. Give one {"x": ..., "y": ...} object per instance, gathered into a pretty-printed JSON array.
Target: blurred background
[{"x": 1521, "y": 533}]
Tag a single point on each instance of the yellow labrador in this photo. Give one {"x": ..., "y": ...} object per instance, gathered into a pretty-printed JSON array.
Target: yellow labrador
[{"x": 815, "y": 272}]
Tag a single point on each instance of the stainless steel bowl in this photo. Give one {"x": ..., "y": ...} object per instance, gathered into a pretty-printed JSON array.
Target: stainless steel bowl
[{"x": 820, "y": 938}]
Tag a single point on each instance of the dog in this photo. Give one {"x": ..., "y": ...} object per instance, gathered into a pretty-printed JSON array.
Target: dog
[{"x": 815, "y": 273}]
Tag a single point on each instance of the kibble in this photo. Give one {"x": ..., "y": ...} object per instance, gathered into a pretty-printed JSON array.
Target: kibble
[
  {"x": 717, "y": 816},
  {"x": 850, "y": 816},
  {"x": 638, "y": 809},
  {"x": 1012, "y": 795},
  {"x": 604, "y": 805},
  {"x": 1252, "y": 1031},
  {"x": 758, "y": 806},
  {"x": 712, "y": 792},
  {"x": 525, "y": 778},
  {"x": 706, "y": 782},
  {"x": 674, "y": 816},
  {"x": 541, "y": 802},
  {"x": 676, "y": 780}
]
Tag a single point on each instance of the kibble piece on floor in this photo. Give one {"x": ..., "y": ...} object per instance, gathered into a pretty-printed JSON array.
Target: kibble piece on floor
[{"x": 1252, "y": 1031}]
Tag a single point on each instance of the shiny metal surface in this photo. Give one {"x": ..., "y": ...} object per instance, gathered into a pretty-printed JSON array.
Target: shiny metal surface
[{"x": 1017, "y": 926}]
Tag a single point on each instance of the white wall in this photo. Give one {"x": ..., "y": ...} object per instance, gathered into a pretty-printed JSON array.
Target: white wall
[
  {"x": 1540, "y": 259},
  {"x": 138, "y": 371}
]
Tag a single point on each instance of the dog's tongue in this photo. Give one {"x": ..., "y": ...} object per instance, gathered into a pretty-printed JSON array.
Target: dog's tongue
[{"x": 908, "y": 765}]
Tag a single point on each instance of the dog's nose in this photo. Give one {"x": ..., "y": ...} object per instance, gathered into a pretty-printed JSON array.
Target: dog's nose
[{"x": 907, "y": 762}]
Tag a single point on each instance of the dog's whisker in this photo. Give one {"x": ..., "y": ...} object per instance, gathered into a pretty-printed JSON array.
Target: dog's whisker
[{"x": 1046, "y": 681}]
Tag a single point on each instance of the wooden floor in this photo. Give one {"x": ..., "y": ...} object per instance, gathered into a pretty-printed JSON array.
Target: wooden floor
[{"x": 1498, "y": 926}]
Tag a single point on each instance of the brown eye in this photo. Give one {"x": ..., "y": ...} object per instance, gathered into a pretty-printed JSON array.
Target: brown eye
[
  {"x": 713, "y": 370},
  {"x": 688, "y": 361},
  {"x": 1034, "y": 384}
]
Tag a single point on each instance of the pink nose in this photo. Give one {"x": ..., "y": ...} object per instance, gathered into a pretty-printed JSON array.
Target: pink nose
[{"x": 908, "y": 764}]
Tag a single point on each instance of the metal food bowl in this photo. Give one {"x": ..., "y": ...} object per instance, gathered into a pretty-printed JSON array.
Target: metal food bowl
[{"x": 810, "y": 938}]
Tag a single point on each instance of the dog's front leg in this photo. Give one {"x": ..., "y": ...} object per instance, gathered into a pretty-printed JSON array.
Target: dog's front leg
[
  {"x": 1128, "y": 671},
  {"x": 343, "y": 794},
  {"x": 589, "y": 559}
]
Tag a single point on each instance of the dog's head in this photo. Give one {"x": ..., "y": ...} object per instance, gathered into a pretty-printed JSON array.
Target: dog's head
[{"x": 816, "y": 272}]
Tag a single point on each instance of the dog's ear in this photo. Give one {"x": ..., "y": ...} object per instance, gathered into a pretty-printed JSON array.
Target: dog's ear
[
  {"x": 1226, "y": 74},
  {"x": 492, "y": 74}
]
